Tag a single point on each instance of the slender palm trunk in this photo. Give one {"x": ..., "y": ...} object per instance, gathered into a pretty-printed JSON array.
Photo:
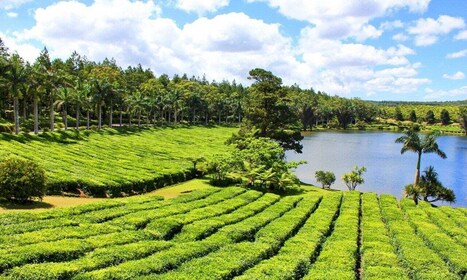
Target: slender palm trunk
[
  {"x": 52, "y": 115},
  {"x": 65, "y": 117},
  {"x": 121, "y": 118},
  {"x": 139, "y": 119},
  {"x": 16, "y": 114},
  {"x": 88, "y": 117},
  {"x": 129, "y": 122},
  {"x": 36, "y": 116},
  {"x": 99, "y": 125},
  {"x": 110, "y": 116},
  {"x": 417, "y": 172},
  {"x": 25, "y": 109},
  {"x": 77, "y": 117}
]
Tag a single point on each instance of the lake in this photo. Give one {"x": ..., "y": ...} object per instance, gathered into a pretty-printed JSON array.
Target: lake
[{"x": 387, "y": 170}]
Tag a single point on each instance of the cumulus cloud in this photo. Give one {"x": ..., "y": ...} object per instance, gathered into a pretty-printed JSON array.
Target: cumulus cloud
[
  {"x": 341, "y": 19},
  {"x": 201, "y": 6},
  {"x": 428, "y": 30},
  {"x": 458, "y": 54},
  {"x": 12, "y": 14},
  {"x": 462, "y": 35},
  {"x": 27, "y": 51},
  {"x": 456, "y": 76},
  {"x": 452, "y": 94},
  {"x": 11, "y": 4},
  {"x": 389, "y": 25},
  {"x": 400, "y": 37}
]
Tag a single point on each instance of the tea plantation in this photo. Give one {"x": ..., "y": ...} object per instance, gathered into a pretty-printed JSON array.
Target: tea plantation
[
  {"x": 117, "y": 160},
  {"x": 233, "y": 233}
]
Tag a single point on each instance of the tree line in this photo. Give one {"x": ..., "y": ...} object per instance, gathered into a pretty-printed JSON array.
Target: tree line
[{"x": 77, "y": 92}]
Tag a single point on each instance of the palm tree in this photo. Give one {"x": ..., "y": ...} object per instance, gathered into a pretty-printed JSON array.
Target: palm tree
[
  {"x": 412, "y": 141},
  {"x": 430, "y": 189},
  {"x": 16, "y": 77}
]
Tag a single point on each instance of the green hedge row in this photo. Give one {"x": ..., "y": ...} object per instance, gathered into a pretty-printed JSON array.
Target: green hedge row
[
  {"x": 455, "y": 215},
  {"x": 202, "y": 229},
  {"x": 444, "y": 222},
  {"x": 449, "y": 249},
  {"x": 96, "y": 259},
  {"x": 293, "y": 259},
  {"x": 232, "y": 259},
  {"x": 165, "y": 228},
  {"x": 338, "y": 258},
  {"x": 63, "y": 250},
  {"x": 140, "y": 219},
  {"x": 183, "y": 252},
  {"x": 421, "y": 261},
  {"x": 379, "y": 258}
]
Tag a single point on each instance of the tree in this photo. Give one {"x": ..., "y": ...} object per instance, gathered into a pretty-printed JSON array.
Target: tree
[
  {"x": 344, "y": 111},
  {"x": 429, "y": 188},
  {"x": 354, "y": 178},
  {"x": 16, "y": 77},
  {"x": 444, "y": 117},
  {"x": 267, "y": 110},
  {"x": 463, "y": 117},
  {"x": 430, "y": 117},
  {"x": 21, "y": 180},
  {"x": 326, "y": 178},
  {"x": 398, "y": 114},
  {"x": 411, "y": 141},
  {"x": 413, "y": 116}
]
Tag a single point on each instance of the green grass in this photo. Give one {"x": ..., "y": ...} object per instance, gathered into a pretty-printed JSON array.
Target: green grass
[
  {"x": 225, "y": 233},
  {"x": 117, "y": 160}
]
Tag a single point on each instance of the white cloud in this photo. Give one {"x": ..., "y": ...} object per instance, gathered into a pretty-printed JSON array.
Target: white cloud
[
  {"x": 458, "y": 54},
  {"x": 462, "y": 35},
  {"x": 12, "y": 14},
  {"x": 389, "y": 25},
  {"x": 26, "y": 50},
  {"x": 11, "y": 4},
  {"x": 400, "y": 37},
  {"x": 457, "y": 76},
  {"x": 201, "y": 6},
  {"x": 452, "y": 94},
  {"x": 428, "y": 30},
  {"x": 341, "y": 19}
]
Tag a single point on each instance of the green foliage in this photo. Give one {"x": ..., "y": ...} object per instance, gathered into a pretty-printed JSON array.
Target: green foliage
[
  {"x": 21, "y": 180},
  {"x": 463, "y": 117},
  {"x": 258, "y": 162},
  {"x": 413, "y": 116},
  {"x": 326, "y": 178},
  {"x": 429, "y": 188},
  {"x": 445, "y": 117},
  {"x": 398, "y": 114},
  {"x": 266, "y": 109},
  {"x": 430, "y": 117},
  {"x": 354, "y": 178}
]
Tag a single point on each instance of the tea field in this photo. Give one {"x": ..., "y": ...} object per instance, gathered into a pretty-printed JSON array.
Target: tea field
[
  {"x": 233, "y": 233},
  {"x": 117, "y": 160}
]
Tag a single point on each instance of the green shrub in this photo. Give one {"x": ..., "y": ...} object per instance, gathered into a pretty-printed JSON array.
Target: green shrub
[{"x": 21, "y": 180}]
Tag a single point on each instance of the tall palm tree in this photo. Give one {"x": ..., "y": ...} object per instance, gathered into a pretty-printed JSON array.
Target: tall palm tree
[
  {"x": 411, "y": 141},
  {"x": 16, "y": 77}
]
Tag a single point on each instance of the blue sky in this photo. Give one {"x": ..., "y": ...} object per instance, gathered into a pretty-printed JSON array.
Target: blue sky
[{"x": 412, "y": 50}]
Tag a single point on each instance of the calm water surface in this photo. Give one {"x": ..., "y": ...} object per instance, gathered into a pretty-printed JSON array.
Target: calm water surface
[{"x": 387, "y": 170}]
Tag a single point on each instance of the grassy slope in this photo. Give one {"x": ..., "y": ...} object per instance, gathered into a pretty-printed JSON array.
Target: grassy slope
[{"x": 116, "y": 156}]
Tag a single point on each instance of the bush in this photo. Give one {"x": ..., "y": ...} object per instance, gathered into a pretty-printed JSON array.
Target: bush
[{"x": 21, "y": 180}]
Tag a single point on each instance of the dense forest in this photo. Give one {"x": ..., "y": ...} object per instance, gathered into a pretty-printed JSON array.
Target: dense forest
[{"x": 54, "y": 93}]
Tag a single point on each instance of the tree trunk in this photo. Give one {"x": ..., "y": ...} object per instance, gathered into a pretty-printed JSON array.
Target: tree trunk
[
  {"x": 417, "y": 172},
  {"x": 77, "y": 117},
  {"x": 139, "y": 120},
  {"x": 194, "y": 114},
  {"x": 110, "y": 115},
  {"x": 175, "y": 116},
  {"x": 52, "y": 115},
  {"x": 121, "y": 118},
  {"x": 87, "y": 119},
  {"x": 99, "y": 124},
  {"x": 65, "y": 119},
  {"x": 25, "y": 109},
  {"x": 36, "y": 116},
  {"x": 16, "y": 114}
]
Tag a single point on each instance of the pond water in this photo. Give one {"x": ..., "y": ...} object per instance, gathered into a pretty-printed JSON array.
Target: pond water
[{"x": 387, "y": 170}]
